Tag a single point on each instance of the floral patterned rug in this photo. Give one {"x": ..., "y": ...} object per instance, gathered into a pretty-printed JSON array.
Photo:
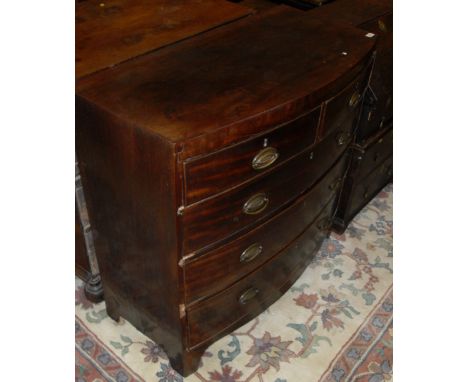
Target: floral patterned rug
[{"x": 335, "y": 324}]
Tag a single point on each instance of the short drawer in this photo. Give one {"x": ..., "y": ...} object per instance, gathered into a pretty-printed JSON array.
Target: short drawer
[
  {"x": 379, "y": 149},
  {"x": 213, "y": 173},
  {"x": 210, "y": 221},
  {"x": 365, "y": 189},
  {"x": 376, "y": 114},
  {"x": 216, "y": 316},
  {"x": 378, "y": 110},
  {"x": 219, "y": 268},
  {"x": 341, "y": 111}
]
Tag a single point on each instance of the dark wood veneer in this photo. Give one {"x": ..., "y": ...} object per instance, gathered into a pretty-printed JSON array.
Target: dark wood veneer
[
  {"x": 229, "y": 75},
  {"x": 206, "y": 175},
  {"x": 111, "y": 32},
  {"x": 342, "y": 110},
  {"x": 353, "y": 12},
  {"x": 373, "y": 151},
  {"x": 378, "y": 107},
  {"x": 362, "y": 181},
  {"x": 368, "y": 187},
  {"x": 215, "y": 219},
  {"x": 223, "y": 264},
  {"x": 212, "y": 317},
  {"x": 139, "y": 123},
  {"x": 370, "y": 169}
]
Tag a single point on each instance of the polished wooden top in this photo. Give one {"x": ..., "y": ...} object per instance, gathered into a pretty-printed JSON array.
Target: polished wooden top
[
  {"x": 354, "y": 12},
  {"x": 109, "y": 32},
  {"x": 228, "y": 74}
]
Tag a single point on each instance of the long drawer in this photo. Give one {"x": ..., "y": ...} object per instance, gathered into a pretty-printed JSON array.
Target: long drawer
[
  {"x": 213, "y": 173},
  {"x": 215, "y": 219},
  {"x": 219, "y": 268},
  {"x": 215, "y": 316}
]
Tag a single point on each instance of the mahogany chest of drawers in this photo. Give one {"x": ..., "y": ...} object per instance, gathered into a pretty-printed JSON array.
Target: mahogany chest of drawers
[{"x": 212, "y": 168}]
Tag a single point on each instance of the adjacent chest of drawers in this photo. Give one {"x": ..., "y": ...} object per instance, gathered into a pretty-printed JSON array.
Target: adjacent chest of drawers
[
  {"x": 371, "y": 154},
  {"x": 212, "y": 168},
  {"x": 370, "y": 169}
]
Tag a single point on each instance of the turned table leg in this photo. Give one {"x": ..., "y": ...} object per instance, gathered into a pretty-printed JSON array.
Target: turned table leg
[{"x": 93, "y": 288}]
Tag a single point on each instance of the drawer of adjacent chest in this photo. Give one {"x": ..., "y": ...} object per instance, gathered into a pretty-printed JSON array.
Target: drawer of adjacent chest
[
  {"x": 217, "y": 315},
  {"x": 365, "y": 189},
  {"x": 213, "y": 173},
  {"x": 215, "y": 219},
  {"x": 221, "y": 267},
  {"x": 377, "y": 151}
]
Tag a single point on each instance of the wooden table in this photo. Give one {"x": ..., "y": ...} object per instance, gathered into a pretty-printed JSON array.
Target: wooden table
[{"x": 115, "y": 31}]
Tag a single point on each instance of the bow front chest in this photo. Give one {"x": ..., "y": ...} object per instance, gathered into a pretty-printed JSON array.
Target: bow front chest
[{"x": 212, "y": 168}]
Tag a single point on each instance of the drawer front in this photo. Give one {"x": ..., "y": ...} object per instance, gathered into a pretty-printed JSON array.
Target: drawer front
[
  {"x": 379, "y": 150},
  {"x": 217, "y": 269},
  {"x": 210, "y": 221},
  {"x": 223, "y": 169},
  {"x": 220, "y": 314},
  {"x": 373, "y": 117},
  {"x": 341, "y": 111},
  {"x": 364, "y": 190}
]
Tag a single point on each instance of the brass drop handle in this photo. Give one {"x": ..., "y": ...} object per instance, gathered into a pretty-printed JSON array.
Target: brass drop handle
[
  {"x": 354, "y": 100},
  {"x": 324, "y": 224},
  {"x": 256, "y": 204},
  {"x": 342, "y": 137},
  {"x": 265, "y": 158},
  {"x": 248, "y": 295},
  {"x": 333, "y": 186},
  {"x": 382, "y": 26},
  {"x": 251, "y": 253}
]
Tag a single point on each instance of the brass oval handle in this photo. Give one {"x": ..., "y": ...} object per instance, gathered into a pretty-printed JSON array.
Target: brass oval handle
[
  {"x": 333, "y": 186},
  {"x": 324, "y": 224},
  {"x": 256, "y": 204},
  {"x": 265, "y": 158},
  {"x": 251, "y": 253},
  {"x": 342, "y": 138},
  {"x": 382, "y": 26},
  {"x": 248, "y": 295},
  {"x": 354, "y": 100}
]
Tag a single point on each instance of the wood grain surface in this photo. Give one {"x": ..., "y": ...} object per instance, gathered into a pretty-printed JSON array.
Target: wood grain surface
[
  {"x": 226, "y": 75},
  {"x": 109, "y": 32}
]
